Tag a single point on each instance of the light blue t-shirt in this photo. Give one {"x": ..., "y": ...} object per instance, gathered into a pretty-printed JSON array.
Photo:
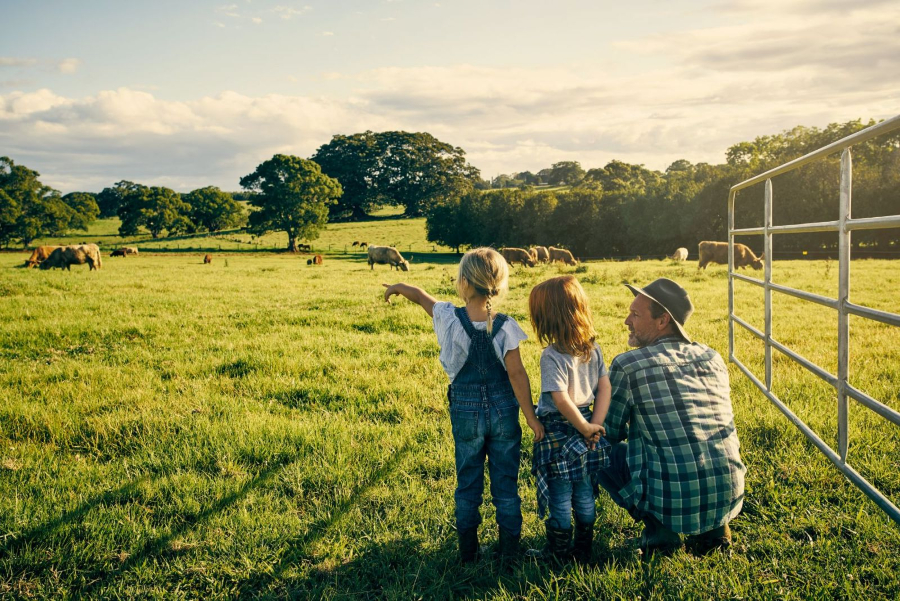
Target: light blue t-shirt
[{"x": 576, "y": 376}]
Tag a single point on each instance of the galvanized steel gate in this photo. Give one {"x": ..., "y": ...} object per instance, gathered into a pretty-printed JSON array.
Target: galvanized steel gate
[{"x": 843, "y": 226}]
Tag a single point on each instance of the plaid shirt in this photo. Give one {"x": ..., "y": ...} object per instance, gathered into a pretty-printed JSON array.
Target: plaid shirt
[
  {"x": 672, "y": 401},
  {"x": 563, "y": 454}
]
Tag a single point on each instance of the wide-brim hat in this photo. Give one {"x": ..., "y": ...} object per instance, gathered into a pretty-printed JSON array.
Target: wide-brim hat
[{"x": 671, "y": 297}]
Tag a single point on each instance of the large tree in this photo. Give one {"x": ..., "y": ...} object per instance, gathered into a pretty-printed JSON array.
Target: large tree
[
  {"x": 566, "y": 173},
  {"x": 212, "y": 209},
  {"x": 84, "y": 204},
  {"x": 412, "y": 170},
  {"x": 292, "y": 195},
  {"x": 155, "y": 208}
]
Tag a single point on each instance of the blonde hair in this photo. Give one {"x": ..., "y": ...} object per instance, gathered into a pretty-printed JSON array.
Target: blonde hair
[
  {"x": 483, "y": 272},
  {"x": 562, "y": 317}
]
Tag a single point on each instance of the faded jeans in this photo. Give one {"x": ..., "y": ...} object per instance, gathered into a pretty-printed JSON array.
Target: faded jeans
[
  {"x": 486, "y": 426},
  {"x": 566, "y": 496}
]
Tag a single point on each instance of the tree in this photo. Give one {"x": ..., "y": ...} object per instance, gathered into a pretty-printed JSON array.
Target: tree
[
  {"x": 212, "y": 209},
  {"x": 412, "y": 170},
  {"x": 85, "y": 207},
  {"x": 28, "y": 208},
  {"x": 566, "y": 173},
  {"x": 155, "y": 208},
  {"x": 293, "y": 196}
]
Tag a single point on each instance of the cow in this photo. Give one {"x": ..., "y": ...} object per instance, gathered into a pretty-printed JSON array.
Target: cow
[
  {"x": 364, "y": 245},
  {"x": 121, "y": 252},
  {"x": 680, "y": 254},
  {"x": 387, "y": 255},
  {"x": 543, "y": 255},
  {"x": 517, "y": 255},
  {"x": 41, "y": 253},
  {"x": 207, "y": 259},
  {"x": 317, "y": 260},
  {"x": 75, "y": 254},
  {"x": 533, "y": 252},
  {"x": 355, "y": 243},
  {"x": 305, "y": 247},
  {"x": 562, "y": 255},
  {"x": 131, "y": 250},
  {"x": 717, "y": 252}
]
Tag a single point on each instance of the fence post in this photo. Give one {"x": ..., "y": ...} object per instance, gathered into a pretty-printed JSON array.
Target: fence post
[
  {"x": 843, "y": 299},
  {"x": 731, "y": 196},
  {"x": 767, "y": 249}
]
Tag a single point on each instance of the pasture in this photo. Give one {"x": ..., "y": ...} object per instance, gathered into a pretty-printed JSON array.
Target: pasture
[{"x": 258, "y": 427}]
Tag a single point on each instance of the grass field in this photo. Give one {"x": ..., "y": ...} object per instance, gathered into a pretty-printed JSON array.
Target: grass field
[{"x": 262, "y": 428}]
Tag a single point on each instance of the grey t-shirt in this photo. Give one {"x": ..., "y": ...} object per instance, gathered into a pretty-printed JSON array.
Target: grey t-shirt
[{"x": 579, "y": 378}]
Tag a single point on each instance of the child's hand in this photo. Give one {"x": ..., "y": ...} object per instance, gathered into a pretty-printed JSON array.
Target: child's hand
[
  {"x": 391, "y": 291},
  {"x": 538, "y": 429},
  {"x": 591, "y": 432}
]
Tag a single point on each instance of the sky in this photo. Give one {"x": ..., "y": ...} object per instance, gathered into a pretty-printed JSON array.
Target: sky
[{"x": 191, "y": 94}]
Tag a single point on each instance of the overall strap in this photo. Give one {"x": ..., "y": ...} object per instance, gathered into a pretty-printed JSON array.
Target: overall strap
[
  {"x": 463, "y": 317},
  {"x": 499, "y": 320}
]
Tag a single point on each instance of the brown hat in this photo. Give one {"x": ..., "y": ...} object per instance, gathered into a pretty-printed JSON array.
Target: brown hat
[{"x": 671, "y": 297}]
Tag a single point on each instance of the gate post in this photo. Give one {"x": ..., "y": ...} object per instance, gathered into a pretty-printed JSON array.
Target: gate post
[{"x": 843, "y": 299}]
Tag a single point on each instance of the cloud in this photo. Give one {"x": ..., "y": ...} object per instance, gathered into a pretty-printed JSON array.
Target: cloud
[
  {"x": 69, "y": 65},
  {"x": 218, "y": 24},
  {"x": 10, "y": 61},
  {"x": 327, "y": 33},
  {"x": 256, "y": 20},
  {"x": 289, "y": 12}
]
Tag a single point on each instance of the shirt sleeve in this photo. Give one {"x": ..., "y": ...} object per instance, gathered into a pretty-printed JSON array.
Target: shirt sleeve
[
  {"x": 508, "y": 339},
  {"x": 443, "y": 317},
  {"x": 554, "y": 375},
  {"x": 617, "y": 419},
  {"x": 603, "y": 370}
]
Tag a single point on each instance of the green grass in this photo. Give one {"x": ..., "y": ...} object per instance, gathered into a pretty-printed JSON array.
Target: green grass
[{"x": 258, "y": 427}]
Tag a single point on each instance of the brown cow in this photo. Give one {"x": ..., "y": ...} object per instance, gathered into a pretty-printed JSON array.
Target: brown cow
[
  {"x": 717, "y": 252},
  {"x": 121, "y": 252},
  {"x": 387, "y": 255},
  {"x": 355, "y": 243},
  {"x": 562, "y": 255},
  {"x": 543, "y": 255},
  {"x": 76, "y": 254},
  {"x": 131, "y": 250},
  {"x": 207, "y": 259},
  {"x": 317, "y": 260},
  {"x": 41, "y": 253},
  {"x": 680, "y": 254},
  {"x": 517, "y": 255}
]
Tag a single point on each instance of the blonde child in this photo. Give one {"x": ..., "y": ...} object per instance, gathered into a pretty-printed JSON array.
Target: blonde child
[
  {"x": 488, "y": 386},
  {"x": 573, "y": 377}
]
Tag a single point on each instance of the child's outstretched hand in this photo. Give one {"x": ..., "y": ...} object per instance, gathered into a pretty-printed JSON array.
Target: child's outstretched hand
[{"x": 390, "y": 291}]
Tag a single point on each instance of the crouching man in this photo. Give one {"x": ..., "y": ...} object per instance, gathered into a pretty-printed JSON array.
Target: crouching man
[{"x": 680, "y": 470}]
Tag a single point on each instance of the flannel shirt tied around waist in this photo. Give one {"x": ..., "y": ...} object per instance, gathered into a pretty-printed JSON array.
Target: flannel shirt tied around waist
[{"x": 563, "y": 454}]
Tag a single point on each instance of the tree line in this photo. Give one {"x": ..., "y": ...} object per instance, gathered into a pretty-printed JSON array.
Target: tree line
[
  {"x": 615, "y": 210},
  {"x": 627, "y": 210}
]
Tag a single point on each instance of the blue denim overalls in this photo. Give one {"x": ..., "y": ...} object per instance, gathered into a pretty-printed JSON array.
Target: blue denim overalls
[{"x": 484, "y": 414}]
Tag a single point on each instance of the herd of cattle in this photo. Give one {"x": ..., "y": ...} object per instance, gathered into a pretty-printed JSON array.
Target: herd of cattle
[{"x": 60, "y": 257}]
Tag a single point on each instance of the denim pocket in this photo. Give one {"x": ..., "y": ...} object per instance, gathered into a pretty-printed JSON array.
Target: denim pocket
[
  {"x": 508, "y": 422},
  {"x": 464, "y": 424}
]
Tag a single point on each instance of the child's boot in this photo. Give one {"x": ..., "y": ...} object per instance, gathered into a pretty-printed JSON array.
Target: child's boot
[
  {"x": 508, "y": 546},
  {"x": 584, "y": 539},
  {"x": 557, "y": 548},
  {"x": 468, "y": 545}
]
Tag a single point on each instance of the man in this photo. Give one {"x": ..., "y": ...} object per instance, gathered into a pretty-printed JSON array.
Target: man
[{"x": 680, "y": 471}]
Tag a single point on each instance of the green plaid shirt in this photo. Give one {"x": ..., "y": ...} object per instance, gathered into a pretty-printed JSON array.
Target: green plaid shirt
[{"x": 672, "y": 401}]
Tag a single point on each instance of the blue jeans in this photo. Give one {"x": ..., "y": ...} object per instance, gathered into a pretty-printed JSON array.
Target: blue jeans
[
  {"x": 489, "y": 429},
  {"x": 566, "y": 496}
]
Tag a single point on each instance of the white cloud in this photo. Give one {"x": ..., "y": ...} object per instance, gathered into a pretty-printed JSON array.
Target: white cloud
[
  {"x": 218, "y": 24},
  {"x": 69, "y": 65},
  {"x": 327, "y": 33},
  {"x": 256, "y": 20},
  {"x": 289, "y": 12},
  {"x": 10, "y": 61}
]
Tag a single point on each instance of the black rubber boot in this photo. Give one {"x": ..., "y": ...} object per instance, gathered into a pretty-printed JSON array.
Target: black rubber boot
[
  {"x": 468, "y": 545},
  {"x": 583, "y": 542},
  {"x": 557, "y": 548},
  {"x": 508, "y": 545}
]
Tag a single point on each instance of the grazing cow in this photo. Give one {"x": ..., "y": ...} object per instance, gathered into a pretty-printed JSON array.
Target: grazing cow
[
  {"x": 355, "y": 243},
  {"x": 305, "y": 247},
  {"x": 131, "y": 250},
  {"x": 41, "y": 253},
  {"x": 517, "y": 255},
  {"x": 533, "y": 252},
  {"x": 543, "y": 255},
  {"x": 717, "y": 252},
  {"x": 75, "y": 254},
  {"x": 207, "y": 259},
  {"x": 387, "y": 255},
  {"x": 364, "y": 245},
  {"x": 680, "y": 254},
  {"x": 562, "y": 255},
  {"x": 121, "y": 252}
]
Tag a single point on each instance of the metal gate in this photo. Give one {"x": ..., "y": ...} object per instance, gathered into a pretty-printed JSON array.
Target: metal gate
[{"x": 843, "y": 226}]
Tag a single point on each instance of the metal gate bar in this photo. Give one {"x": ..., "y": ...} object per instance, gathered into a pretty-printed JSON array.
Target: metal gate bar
[{"x": 843, "y": 226}]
